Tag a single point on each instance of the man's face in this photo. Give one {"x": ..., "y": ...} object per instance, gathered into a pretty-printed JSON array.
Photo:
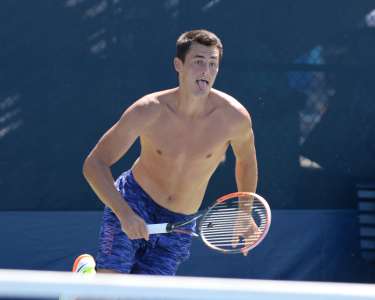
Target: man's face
[{"x": 198, "y": 72}]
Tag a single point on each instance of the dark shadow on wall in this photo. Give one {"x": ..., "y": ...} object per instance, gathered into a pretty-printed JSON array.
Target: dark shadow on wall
[
  {"x": 72, "y": 67},
  {"x": 343, "y": 142}
]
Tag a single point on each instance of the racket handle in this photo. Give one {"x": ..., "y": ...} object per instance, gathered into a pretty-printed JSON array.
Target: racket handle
[{"x": 157, "y": 228}]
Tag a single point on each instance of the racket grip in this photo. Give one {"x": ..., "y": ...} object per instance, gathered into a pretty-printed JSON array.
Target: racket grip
[{"x": 157, "y": 228}]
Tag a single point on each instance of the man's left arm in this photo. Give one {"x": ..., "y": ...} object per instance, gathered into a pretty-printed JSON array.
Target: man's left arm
[
  {"x": 244, "y": 150},
  {"x": 246, "y": 177}
]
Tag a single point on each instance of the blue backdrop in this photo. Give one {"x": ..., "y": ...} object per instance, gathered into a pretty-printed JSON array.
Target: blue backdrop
[{"x": 303, "y": 69}]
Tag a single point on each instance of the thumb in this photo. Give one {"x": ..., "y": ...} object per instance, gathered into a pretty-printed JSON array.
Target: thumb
[{"x": 235, "y": 239}]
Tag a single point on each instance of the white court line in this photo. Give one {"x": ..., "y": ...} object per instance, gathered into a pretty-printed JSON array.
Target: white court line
[{"x": 43, "y": 284}]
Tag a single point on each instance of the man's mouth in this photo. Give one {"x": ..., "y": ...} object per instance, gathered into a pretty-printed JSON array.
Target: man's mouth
[{"x": 202, "y": 83}]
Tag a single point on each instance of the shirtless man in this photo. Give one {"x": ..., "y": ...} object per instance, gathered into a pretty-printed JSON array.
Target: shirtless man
[{"x": 184, "y": 134}]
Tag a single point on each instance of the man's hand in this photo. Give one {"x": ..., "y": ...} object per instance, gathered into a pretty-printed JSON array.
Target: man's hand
[
  {"x": 134, "y": 226},
  {"x": 247, "y": 231}
]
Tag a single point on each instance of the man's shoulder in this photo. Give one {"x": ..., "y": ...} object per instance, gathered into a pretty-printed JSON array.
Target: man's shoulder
[
  {"x": 231, "y": 107},
  {"x": 149, "y": 105},
  {"x": 154, "y": 101},
  {"x": 141, "y": 112}
]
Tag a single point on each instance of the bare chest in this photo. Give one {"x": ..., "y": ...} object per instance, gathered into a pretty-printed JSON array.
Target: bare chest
[{"x": 180, "y": 140}]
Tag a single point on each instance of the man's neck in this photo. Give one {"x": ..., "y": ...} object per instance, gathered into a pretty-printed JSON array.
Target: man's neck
[{"x": 189, "y": 105}]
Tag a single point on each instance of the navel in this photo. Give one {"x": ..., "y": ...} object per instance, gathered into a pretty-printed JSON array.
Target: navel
[
  {"x": 159, "y": 152},
  {"x": 208, "y": 155}
]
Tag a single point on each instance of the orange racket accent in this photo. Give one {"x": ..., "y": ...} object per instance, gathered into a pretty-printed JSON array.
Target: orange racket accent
[{"x": 235, "y": 194}]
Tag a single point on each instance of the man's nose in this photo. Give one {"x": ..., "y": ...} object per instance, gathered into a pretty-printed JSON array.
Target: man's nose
[{"x": 205, "y": 68}]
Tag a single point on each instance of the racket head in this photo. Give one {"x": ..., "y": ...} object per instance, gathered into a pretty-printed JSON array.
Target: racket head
[{"x": 236, "y": 222}]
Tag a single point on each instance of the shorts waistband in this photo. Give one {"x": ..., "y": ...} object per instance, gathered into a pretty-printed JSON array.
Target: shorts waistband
[{"x": 131, "y": 180}]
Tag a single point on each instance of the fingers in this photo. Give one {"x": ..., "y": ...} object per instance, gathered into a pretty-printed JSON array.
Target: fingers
[
  {"x": 136, "y": 228},
  {"x": 144, "y": 231},
  {"x": 249, "y": 240},
  {"x": 235, "y": 241},
  {"x": 139, "y": 232},
  {"x": 243, "y": 238},
  {"x": 251, "y": 236},
  {"x": 245, "y": 251},
  {"x": 236, "y": 237}
]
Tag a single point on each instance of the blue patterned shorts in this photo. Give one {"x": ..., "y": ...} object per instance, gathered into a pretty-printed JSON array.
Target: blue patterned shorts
[{"x": 160, "y": 255}]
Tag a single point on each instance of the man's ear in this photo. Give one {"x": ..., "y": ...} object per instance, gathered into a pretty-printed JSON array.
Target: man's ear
[{"x": 177, "y": 64}]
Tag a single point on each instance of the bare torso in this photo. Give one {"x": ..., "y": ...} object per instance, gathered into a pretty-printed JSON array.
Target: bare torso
[{"x": 179, "y": 154}]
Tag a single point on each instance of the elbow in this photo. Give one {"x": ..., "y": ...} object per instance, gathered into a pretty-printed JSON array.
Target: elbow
[
  {"x": 92, "y": 165},
  {"x": 89, "y": 165}
]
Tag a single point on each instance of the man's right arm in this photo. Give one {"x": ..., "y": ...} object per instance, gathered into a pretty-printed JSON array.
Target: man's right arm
[{"x": 110, "y": 148}]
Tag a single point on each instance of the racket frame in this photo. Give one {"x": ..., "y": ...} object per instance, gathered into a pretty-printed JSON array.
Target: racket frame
[{"x": 230, "y": 196}]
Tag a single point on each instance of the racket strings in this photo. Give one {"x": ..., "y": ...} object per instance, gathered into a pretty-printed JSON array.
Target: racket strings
[
  {"x": 224, "y": 229},
  {"x": 236, "y": 213},
  {"x": 223, "y": 220}
]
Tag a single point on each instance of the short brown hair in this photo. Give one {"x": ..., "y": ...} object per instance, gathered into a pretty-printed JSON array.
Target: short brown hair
[{"x": 200, "y": 36}]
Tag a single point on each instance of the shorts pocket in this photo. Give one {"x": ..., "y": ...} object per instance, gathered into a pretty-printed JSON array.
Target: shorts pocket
[{"x": 178, "y": 245}]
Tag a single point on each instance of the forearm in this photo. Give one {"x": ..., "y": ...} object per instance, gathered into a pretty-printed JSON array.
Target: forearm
[
  {"x": 247, "y": 176},
  {"x": 100, "y": 179},
  {"x": 247, "y": 179}
]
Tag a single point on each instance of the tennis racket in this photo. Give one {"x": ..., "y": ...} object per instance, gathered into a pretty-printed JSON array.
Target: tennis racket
[{"x": 234, "y": 223}]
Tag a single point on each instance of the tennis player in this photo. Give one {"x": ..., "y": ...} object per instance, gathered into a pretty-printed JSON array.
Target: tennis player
[{"x": 184, "y": 134}]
